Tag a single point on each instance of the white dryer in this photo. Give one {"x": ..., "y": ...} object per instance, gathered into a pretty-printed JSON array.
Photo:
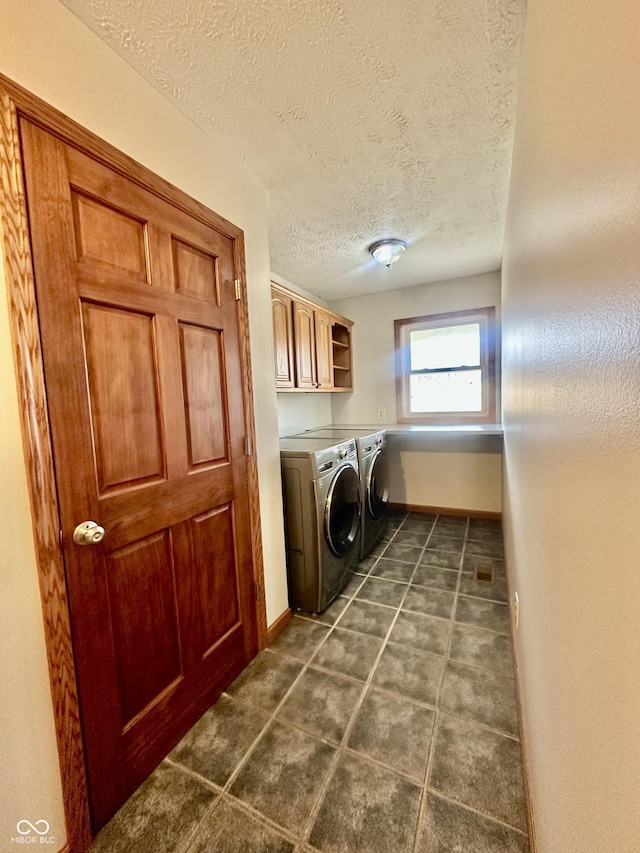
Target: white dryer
[
  {"x": 321, "y": 487},
  {"x": 374, "y": 478}
]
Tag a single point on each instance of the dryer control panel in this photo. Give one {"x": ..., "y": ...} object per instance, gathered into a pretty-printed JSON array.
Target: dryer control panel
[{"x": 332, "y": 457}]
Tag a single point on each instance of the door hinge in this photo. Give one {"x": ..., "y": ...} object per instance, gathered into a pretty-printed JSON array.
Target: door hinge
[
  {"x": 61, "y": 539},
  {"x": 258, "y": 590},
  {"x": 248, "y": 445},
  {"x": 238, "y": 285}
]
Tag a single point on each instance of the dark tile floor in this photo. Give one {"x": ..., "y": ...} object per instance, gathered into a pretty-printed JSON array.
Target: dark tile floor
[{"x": 386, "y": 724}]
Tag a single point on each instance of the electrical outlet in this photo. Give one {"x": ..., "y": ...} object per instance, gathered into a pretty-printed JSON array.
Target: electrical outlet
[
  {"x": 382, "y": 414},
  {"x": 516, "y": 610}
]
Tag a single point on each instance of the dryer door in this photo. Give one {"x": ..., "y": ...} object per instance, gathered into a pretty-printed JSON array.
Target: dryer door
[
  {"x": 377, "y": 486},
  {"x": 342, "y": 511}
]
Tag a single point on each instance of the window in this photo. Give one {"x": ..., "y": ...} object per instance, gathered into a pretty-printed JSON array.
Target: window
[{"x": 445, "y": 368}]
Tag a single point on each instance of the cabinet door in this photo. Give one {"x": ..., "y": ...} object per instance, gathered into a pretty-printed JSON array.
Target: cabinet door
[
  {"x": 281, "y": 310},
  {"x": 304, "y": 337},
  {"x": 324, "y": 372}
]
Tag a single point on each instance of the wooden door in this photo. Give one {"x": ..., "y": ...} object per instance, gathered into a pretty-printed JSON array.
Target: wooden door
[
  {"x": 281, "y": 314},
  {"x": 324, "y": 372},
  {"x": 142, "y": 363},
  {"x": 304, "y": 337}
]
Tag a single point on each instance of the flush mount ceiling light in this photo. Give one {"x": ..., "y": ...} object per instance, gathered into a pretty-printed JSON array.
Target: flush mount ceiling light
[{"x": 387, "y": 252}]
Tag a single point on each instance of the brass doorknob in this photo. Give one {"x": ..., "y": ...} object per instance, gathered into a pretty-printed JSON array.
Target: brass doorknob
[{"x": 88, "y": 533}]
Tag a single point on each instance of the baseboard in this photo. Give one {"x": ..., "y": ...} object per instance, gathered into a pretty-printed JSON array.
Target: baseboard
[
  {"x": 533, "y": 846},
  {"x": 526, "y": 779},
  {"x": 279, "y": 625},
  {"x": 446, "y": 510}
]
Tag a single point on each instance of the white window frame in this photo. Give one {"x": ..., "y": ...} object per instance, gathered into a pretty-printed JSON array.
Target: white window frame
[{"x": 485, "y": 318}]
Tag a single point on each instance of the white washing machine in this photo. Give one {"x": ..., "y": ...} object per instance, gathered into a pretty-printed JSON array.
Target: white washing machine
[
  {"x": 374, "y": 478},
  {"x": 321, "y": 486}
]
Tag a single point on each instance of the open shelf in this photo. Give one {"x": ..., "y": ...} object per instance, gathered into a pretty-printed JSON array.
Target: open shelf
[{"x": 341, "y": 346}]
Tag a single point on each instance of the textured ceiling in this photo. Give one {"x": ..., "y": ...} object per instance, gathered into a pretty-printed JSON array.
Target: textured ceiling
[{"x": 364, "y": 119}]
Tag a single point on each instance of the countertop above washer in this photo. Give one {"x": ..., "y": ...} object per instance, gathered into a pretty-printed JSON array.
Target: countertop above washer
[{"x": 423, "y": 430}]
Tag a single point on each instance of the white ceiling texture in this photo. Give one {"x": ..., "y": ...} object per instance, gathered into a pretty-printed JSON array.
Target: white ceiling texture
[{"x": 364, "y": 119}]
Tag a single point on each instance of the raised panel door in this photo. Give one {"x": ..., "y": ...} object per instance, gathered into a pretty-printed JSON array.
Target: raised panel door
[
  {"x": 141, "y": 351},
  {"x": 281, "y": 313},
  {"x": 324, "y": 372},
  {"x": 304, "y": 337}
]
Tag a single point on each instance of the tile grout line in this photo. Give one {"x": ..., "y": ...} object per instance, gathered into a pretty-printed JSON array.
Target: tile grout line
[
  {"x": 177, "y": 765},
  {"x": 369, "y": 759},
  {"x": 477, "y": 666},
  {"x": 301, "y": 842},
  {"x": 192, "y": 835},
  {"x": 478, "y": 725},
  {"x": 239, "y": 805},
  {"x": 434, "y": 732},
  {"x": 424, "y": 705},
  {"x": 439, "y": 713},
  {"x": 259, "y": 817},
  {"x": 272, "y": 717},
  {"x": 476, "y": 811},
  {"x": 342, "y": 748},
  {"x": 225, "y": 790},
  {"x": 488, "y": 600}
]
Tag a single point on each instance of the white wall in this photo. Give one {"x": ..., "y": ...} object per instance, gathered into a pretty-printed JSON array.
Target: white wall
[
  {"x": 434, "y": 474},
  {"x": 571, "y": 348},
  {"x": 454, "y": 473},
  {"x": 298, "y": 411},
  {"x": 46, "y": 49}
]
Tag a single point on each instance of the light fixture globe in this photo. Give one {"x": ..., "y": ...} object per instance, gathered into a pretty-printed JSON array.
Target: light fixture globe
[{"x": 387, "y": 252}]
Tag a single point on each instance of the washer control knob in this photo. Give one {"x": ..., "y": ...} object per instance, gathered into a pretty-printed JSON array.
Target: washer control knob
[{"x": 342, "y": 452}]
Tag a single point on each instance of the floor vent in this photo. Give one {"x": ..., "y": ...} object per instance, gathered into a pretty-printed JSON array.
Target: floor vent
[{"x": 484, "y": 573}]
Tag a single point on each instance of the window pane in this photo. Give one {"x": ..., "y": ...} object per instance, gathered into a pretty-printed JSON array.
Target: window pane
[
  {"x": 458, "y": 391},
  {"x": 451, "y": 346}
]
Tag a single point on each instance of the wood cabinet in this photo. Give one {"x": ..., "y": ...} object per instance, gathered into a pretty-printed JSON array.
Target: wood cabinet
[
  {"x": 304, "y": 343},
  {"x": 324, "y": 371},
  {"x": 312, "y": 346},
  {"x": 281, "y": 312}
]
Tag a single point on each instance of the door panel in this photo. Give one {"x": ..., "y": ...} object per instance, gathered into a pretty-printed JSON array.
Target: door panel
[
  {"x": 141, "y": 586},
  {"x": 106, "y": 186},
  {"x": 107, "y": 236},
  {"x": 195, "y": 271},
  {"x": 213, "y": 537},
  {"x": 141, "y": 352},
  {"x": 204, "y": 394},
  {"x": 123, "y": 390}
]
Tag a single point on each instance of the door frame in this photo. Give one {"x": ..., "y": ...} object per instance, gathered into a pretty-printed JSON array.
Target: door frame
[{"x": 16, "y": 102}]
